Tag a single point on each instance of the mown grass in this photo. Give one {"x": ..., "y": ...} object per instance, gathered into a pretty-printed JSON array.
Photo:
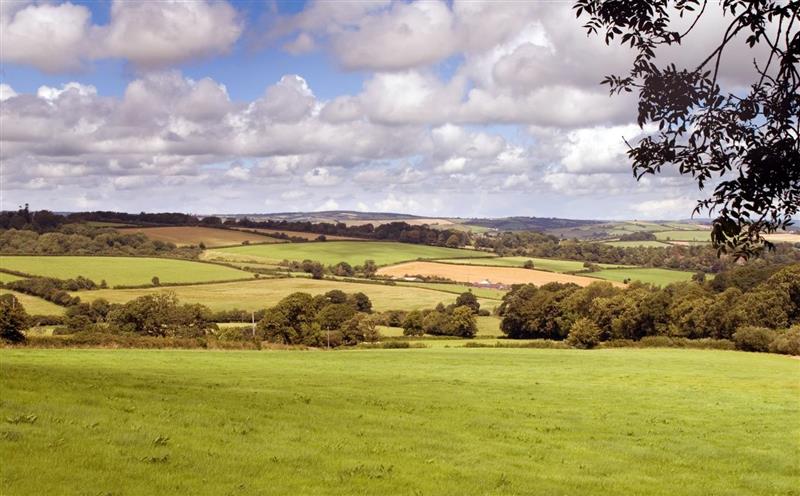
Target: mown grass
[
  {"x": 263, "y": 293},
  {"x": 433, "y": 421},
  {"x": 687, "y": 235},
  {"x": 493, "y": 294},
  {"x": 122, "y": 271},
  {"x": 550, "y": 264},
  {"x": 8, "y": 277},
  {"x": 659, "y": 277},
  {"x": 34, "y": 305},
  {"x": 635, "y": 244},
  {"x": 352, "y": 252}
]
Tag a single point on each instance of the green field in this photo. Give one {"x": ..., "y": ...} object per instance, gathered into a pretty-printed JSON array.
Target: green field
[
  {"x": 659, "y": 277},
  {"x": 699, "y": 235},
  {"x": 432, "y": 421},
  {"x": 549, "y": 264},
  {"x": 122, "y": 271},
  {"x": 492, "y": 294},
  {"x": 263, "y": 293},
  {"x": 352, "y": 252},
  {"x": 34, "y": 305},
  {"x": 8, "y": 277},
  {"x": 635, "y": 244}
]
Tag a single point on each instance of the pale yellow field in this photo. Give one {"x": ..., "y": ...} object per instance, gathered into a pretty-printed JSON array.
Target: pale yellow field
[
  {"x": 784, "y": 237},
  {"x": 297, "y": 234},
  {"x": 209, "y": 236},
  {"x": 472, "y": 274}
]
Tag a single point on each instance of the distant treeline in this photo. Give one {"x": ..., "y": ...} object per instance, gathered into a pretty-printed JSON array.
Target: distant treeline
[
  {"x": 755, "y": 308},
  {"x": 45, "y": 221},
  {"x": 699, "y": 257}
]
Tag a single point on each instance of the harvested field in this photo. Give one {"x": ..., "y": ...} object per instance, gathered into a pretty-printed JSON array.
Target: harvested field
[
  {"x": 473, "y": 273},
  {"x": 262, "y": 293},
  {"x": 297, "y": 234},
  {"x": 783, "y": 237},
  {"x": 209, "y": 236}
]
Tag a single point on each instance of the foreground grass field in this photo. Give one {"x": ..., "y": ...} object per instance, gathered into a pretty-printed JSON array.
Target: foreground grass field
[
  {"x": 122, "y": 271},
  {"x": 352, "y": 252},
  {"x": 444, "y": 421},
  {"x": 262, "y": 293},
  {"x": 193, "y": 235}
]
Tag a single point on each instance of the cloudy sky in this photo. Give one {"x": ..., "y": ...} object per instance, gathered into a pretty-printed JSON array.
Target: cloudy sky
[{"x": 432, "y": 108}]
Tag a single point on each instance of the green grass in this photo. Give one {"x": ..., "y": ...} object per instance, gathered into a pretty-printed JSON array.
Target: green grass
[
  {"x": 122, "y": 271},
  {"x": 263, "y": 293},
  {"x": 431, "y": 421},
  {"x": 659, "y": 277},
  {"x": 457, "y": 289},
  {"x": 688, "y": 235},
  {"x": 635, "y": 244},
  {"x": 34, "y": 305},
  {"x": 352, "y": 252},
  {"x": 489, "y": 326},
  {"x": 549, "y": 264},
  {"x": 8, "y": 277}
]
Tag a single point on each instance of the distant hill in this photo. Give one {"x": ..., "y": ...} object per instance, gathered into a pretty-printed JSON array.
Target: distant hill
[{"x": 530, "y": 223}]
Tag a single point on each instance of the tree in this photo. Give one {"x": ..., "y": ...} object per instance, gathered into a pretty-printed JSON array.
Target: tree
[
  {"x": 155, "y": 281},
  {"x": 528, "y": 264},
  {"x": 584, "y": 334},
  {"x": 468, "y": 299},
  {"x": 462, "y": 323},
  {"x": 747, "y": 140},
  {"x": 413, "y": 324},
  {"x": 13, "y": 319},
  {"x": 370, "y": 268},
  {"x": 360, "y": 302}
]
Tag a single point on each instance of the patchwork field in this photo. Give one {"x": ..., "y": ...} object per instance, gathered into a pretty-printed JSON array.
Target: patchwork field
[
  {"x": 538, "y": 263},
  {"x": 122, "y": 271},
  {"x": 658, "y": 277},
  {"x": 34, "y": 305},
  {"x": 455, "y": 421},
  {"x": 209, "y": 236},
  {"x": 262, "y": 293},
  {"x": 352, "y": 252},
  {"x": 475, "y": 273}
]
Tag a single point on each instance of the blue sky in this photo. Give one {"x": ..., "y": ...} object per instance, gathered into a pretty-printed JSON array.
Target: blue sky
[{"x": 432, "y": 108}]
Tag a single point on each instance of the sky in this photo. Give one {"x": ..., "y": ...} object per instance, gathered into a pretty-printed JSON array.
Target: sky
[{"x": 461, "y": 109}]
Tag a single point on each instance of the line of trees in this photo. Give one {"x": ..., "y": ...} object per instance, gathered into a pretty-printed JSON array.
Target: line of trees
[
  {"x": 747, "y": 306},
  {"x": 700, "y": 257}
]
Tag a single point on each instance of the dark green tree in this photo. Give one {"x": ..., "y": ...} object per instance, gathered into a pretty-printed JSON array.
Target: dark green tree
[{"x": 13, "y": 319}]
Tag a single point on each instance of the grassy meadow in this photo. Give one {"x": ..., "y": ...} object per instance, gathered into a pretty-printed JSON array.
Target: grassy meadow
[
  {"x": 635, "y": 244},
  {"x": 432, "y": 421},
  {"x": 658, "y": 277},
  {"x": 122, "y": 271},
  {"x": 352, "y": 252},
  {"x": 8, "y": 277},
  {"x": 35, "y": 305},
  {"x": 698, "y": 235},
  {"x": 262, "y": 293}
]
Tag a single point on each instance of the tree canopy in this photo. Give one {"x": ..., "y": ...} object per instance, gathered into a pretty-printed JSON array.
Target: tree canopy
[{"x": 741, "y": 141}]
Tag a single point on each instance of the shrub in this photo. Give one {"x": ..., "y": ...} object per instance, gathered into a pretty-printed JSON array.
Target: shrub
[
  {"x": 13, "y": 319},
  {"x": 752, "y": 338},
  {"x": 584, "y": 334},
  {"x": 787, "y": 342}
]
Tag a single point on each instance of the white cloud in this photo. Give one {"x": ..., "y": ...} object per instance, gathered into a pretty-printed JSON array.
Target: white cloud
[
  {"x": 670, "y": 208},
  {"x": 6, "y": 92},
  {"x": 59, "y": 38},
  {"x": 320, "y": 176},
  {"x": 330, "y": 204}
]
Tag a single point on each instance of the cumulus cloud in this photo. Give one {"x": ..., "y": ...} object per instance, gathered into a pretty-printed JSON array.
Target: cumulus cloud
[{"x": 59, "y": 38}]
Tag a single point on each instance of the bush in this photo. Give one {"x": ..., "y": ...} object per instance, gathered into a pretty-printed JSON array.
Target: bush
[
  {"x": 787, "y": 342},
  {"x": 584, "y": 334},
  {"x": 752, "y": 338}
]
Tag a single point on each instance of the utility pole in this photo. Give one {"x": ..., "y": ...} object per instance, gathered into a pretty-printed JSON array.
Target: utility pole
[{"x": 253, "y": 320}]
